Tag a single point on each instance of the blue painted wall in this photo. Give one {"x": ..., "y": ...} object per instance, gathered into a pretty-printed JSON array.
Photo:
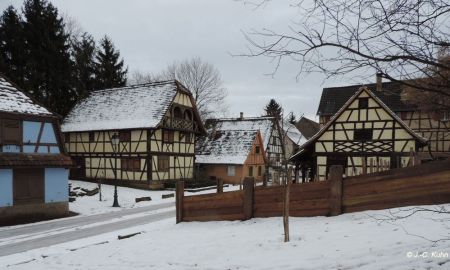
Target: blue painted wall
[
  {"x": 6, "y": 188},
  {"x": 56, "y": 185}
]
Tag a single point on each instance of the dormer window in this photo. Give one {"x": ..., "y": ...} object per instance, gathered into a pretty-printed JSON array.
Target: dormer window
[{"x": 177, "y": 113}]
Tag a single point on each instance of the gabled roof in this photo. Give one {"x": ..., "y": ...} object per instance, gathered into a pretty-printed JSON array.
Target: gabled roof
[
  {"x": 130, "y": 107},
  {"x": 313, "y": 139},
  {"x": 294, "y": 134},
  {"x": 333, "y": 98},
  {"x": 225, "y": 147},
  {"x": 13, "y": 100},
  {"x": 263, "y": 124},
  {"x": 307, "y": 127}
]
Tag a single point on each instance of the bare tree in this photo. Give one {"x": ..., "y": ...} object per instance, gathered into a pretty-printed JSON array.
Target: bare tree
[
  {"x": 401, "y": 40},
  {"x": 205, "y": 83},
  {"x": 201, "y": 78}
]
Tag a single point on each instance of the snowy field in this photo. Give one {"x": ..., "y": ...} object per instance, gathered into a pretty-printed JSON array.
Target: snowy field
[
  {"x": 89, "y": 205},
  {"x": 366, "y": 240}
]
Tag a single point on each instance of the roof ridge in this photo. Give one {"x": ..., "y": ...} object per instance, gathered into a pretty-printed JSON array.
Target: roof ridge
[{"x": 155, "y": 83}]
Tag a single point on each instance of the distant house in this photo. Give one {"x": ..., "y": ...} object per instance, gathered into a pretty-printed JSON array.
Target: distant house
[
  {"x": 307, "y": 127},
  {"x": 155, "y": 124},
  {"x": 271, "y": 135},
  {"x": 293, "y": 139},
  {"x": 363, "y": 131},
  {"x": 231, "y": 155},
  {"x": 33, "y": 162},
  {"x": 432, "y": 125}
]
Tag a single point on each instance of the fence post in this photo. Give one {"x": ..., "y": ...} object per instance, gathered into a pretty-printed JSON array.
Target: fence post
[
  {"x": 336, "y": 190},
  {"x": 249, "y": 186},
  {"x": 179, "y": 200},
  {"x": 219, "y": 185},
  {"x": 364, "y": 165}
]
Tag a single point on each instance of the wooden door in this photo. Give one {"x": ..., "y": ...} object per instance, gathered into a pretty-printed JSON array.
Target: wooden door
[{"x": 28, "y": 186}]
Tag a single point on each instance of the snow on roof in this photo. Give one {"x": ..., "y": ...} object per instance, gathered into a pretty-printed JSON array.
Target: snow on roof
[
  {"x": 13, "y": 100},
  {"x": 225, "y": 147},
  {"x": 294, "y": 134},
  {"x": 262, "y": 124},
  {"x": 139, "y": 106}
]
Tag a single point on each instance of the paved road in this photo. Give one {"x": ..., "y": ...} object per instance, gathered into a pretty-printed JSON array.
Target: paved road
[{"x": 57, "y": 233}]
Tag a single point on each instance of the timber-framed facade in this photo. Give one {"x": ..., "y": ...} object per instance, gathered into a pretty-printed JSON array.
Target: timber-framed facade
[
  {"x": 156, "y": 123},
  {"x": 364, "y": 133},
  {"x": 432, "y": 125}
]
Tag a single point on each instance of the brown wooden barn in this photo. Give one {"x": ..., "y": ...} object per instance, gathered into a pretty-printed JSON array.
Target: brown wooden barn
[{"x": 231, "y": 155}]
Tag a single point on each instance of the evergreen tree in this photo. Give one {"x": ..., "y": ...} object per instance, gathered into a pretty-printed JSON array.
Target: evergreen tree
[
  {"x": 110, "y": 71},
  {"x": 12, "y": 46},
  {"x": 273, "y": 109},
  {"x": 49, "y": 66},
  {"x": 292, "y": 119},
  {"x": 84, "y": 65}
]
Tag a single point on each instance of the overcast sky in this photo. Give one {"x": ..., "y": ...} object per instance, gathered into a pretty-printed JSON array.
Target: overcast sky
[{"x": 152, "y": 33}]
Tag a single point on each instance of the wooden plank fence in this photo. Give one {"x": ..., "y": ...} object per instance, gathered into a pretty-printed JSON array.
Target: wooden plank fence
[{"x": 418, "y": 185}]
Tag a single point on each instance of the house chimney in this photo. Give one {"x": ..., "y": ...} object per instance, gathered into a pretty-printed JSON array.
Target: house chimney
[
  {"x": 379, "y": 81},
  {"x": 241, "y": 116}
]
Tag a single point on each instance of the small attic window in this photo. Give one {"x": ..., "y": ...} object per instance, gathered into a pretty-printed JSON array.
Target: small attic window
[
  {"x": 363, "y": 134},
  {"x": 363, "y": 103},
  {"x": 177, "y": 113},
  {"x": 257, "y": 150}
]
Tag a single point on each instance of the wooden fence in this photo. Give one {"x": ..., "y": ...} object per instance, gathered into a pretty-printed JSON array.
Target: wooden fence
[{"x": 422, "y": 184}]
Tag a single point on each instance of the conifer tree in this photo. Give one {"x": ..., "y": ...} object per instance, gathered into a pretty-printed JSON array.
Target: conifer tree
[
  {"x": 12, "y": 43},
  {"x": 84, "y": 52},
  {"x": 49, "y": 67},
  {"x": 110, "y": 71},
  {"x": 273, "y": 109}
]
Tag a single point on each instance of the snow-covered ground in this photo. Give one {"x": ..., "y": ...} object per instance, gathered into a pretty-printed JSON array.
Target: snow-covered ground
[
  {"x": 366, "y": 240},
  {"x": 90, "y": 205}
]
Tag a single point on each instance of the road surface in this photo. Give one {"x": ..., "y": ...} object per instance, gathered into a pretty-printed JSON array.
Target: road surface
[{"x": 23, "y": 238}]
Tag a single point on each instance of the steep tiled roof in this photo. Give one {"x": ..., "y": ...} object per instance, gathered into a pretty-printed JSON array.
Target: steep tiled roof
[
  {"x": 333, "y": 98},
  {"x": 12, "y": 100},
  {"x": 307, "y": 127},
  {"x": 263, "y": 124},
  {"x": 225, "y": 147},
  {"x": 139, "y": 106}
]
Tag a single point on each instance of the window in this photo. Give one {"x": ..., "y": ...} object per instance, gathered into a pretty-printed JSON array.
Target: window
[
  {"x": 257, "y": 149},
  {"x": 363, "y": 134},
  {"x": 363, "y": 103},
  {"x": 132, "y": 164},
  {"x": 250, "y": 171},
  {"x": 259, "y": 170},
  {"x": 187, "y": 137},
  {"x": 125, "y": 136},
  {"x": 231, "y": 171},
  {"x": 91, "y": 137},
  {"x": 168, "y": 136},
  {"x": 278, "y": 157},
  {"x": 11, "y": 133},
  {"x": 177, "y": 113},
  {"x": 445, "y": 116},
  {"x": 163, "y": 163}
]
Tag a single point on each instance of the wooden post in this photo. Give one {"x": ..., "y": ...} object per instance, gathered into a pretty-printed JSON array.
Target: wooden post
[
  {"x": 286, "y": 205},
  {"x": 364, "y": 165},
  {"x": 249, "y": 186},
  {"x": 336, "y": 190},
  {"x": 417, "y": 160},
  {"x": 179, "y": 200},
  {"x": 371, "y": 165},
  {"x": 219, "y": 185}
]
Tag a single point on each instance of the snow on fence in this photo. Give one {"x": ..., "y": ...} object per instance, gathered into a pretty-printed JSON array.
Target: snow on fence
[{"x": 418, "y": 185}]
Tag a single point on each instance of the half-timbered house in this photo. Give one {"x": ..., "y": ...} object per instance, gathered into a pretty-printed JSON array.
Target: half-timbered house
[
  {"x": 156, "y": 125},
  {"x": 271, "y": 135},
  {"x": 433, "y": 125},
  {"x": 33, "y": 162},
  {"x": 364, "y": 133},
  {"x": 231, "y": 155}
]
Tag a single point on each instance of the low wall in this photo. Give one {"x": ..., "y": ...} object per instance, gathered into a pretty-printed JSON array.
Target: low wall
[{"x": 32, "y": 212}]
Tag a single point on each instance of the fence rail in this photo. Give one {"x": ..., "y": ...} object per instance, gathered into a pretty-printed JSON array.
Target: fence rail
[{"x": 418, "y": 185}]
